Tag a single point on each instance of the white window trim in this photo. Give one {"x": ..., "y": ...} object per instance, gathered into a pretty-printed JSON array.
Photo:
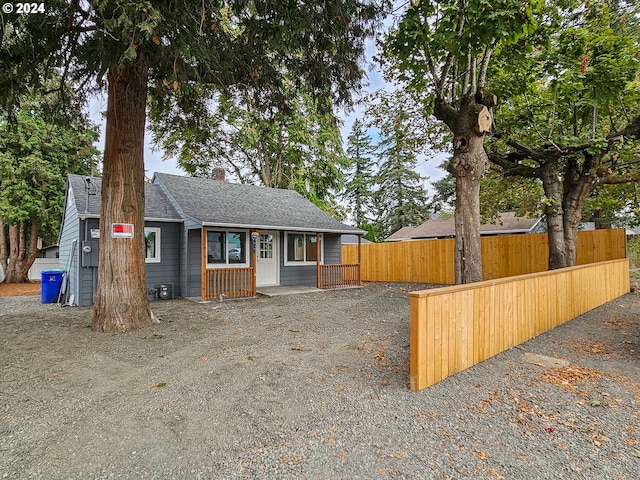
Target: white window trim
[
  {"x": 288, "y": 263},
  {"x": 247, "y": 237},
  {"x": 155, "y": 259}
]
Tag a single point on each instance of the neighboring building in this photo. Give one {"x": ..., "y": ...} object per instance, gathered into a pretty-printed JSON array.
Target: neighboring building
[
  {"x": 281, "y": 225},
  {"x": 352, "y": 239},
  {"x": 52, "y": 251},
  {"x": 506, "y": 224}
]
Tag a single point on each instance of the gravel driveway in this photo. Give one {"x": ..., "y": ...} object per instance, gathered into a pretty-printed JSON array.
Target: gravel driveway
[{"x": 309, "y": 386}]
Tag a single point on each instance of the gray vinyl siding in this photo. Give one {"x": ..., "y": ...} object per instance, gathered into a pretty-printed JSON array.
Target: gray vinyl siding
[
  {"x": 306, "y": 274},
  {"x": 167, "y": 271},
  {"x": 83, "y": 280},
  {"x": 332, "y": 249},
  {"x": 87, "y": 276},
  {"x": 69, "y": 232}
]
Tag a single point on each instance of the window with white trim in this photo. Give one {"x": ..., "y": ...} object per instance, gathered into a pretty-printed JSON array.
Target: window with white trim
[
  {"x": 301, "y": 248},
  {"x": 227, "y": 248},
  {"x": 152, "y": 245}
]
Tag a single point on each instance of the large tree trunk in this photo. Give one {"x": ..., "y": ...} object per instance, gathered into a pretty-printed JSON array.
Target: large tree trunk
[
  {"x": 578, "y": 185},
  {"x": 4, "y": 251},
  {"x": 21, "y": 252},
  {"x": 468, "y": 165},
  {"x": 120, "y": 302},
  {"x": 554, "y": 214}
]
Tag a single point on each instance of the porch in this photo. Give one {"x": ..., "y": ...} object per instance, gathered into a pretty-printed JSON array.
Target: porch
[
  {"x": 221, "y": 283},
  {"x": 236, "y": 282}
]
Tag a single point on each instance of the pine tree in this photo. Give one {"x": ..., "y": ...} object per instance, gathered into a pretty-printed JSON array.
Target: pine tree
[
  {"x": 401, "y": 196},
  {"x": 400, "y": 199},
  {"x": 358, "y": 191}
]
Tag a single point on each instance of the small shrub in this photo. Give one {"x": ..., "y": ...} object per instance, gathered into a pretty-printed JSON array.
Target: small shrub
[{"x": 633, "y": 250}]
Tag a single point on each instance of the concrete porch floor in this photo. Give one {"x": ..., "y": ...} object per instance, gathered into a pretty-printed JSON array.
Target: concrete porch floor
[
  {"x": 276, "y": 291},
  {"x": 286, "y": 290}
]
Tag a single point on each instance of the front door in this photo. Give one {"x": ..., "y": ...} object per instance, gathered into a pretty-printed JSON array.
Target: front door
[{"x": 267, "y": 259}]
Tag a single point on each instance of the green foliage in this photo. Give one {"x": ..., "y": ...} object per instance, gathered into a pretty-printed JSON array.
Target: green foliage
[
  {"x": 497, "y": 194},
  {"x": 616, "y": 205},
  {"x": 37, "y": 151},
  {"x": 358, "y": 189},
  {"x": 400, "y": 199},
  {"x": 299, "y": 149},
  {"x": 437, "y": 41},
  {"x": 193, "y": 48},
  {"x": 509, "y": 194},
  {"x": 633, "y": 249},
  {"x": 579, "y": 82}
]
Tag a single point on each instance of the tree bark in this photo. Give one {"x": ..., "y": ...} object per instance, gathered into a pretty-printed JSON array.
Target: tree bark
[
  {"x": 120, "y": 302},
  {"x": 554, "y": 214},
  {"x": 579, "y": 184},
  {"x": 21, "y": 253},
  {"x": 4, "y": 251},
  {"x": 468, "y": 165}
]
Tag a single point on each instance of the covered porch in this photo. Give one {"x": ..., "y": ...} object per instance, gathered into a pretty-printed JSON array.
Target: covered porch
[{"x": 236, "y": 282}]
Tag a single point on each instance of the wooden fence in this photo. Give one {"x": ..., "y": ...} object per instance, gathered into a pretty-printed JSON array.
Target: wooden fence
[
  {"x": 432, "y": 261},
  {"x": 230, "y": 282},
  {"x": 338, "y": 276},
  {"x": 453, "y": 328}
]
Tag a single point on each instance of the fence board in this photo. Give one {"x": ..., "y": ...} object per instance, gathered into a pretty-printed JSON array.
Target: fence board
[
  {"x": 453, "y": 328},
  {"x": 432, "y": 261}
]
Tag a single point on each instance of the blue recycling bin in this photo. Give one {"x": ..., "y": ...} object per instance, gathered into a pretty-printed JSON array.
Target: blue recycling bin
[{"x": 51, "y": 283}]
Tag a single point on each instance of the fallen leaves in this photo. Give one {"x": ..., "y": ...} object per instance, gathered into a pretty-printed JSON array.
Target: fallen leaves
[{"x": 570, "y": 377}]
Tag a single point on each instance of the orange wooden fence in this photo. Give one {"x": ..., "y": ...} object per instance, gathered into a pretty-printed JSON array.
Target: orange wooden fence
[
  {"x": 453, "y": 328},
  {"x": 339, "y": 276},
  {"x": 432, "y": 261},
  {"x": 230, "y": 282}
]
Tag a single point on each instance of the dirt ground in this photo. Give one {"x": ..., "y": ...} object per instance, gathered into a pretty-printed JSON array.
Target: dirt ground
[
  {"x": 19, "y": 289},
  {"x": 308, "y": 386}
]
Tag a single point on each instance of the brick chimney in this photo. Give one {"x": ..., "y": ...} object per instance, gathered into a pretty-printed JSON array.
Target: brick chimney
[{"x": 218, "y": 173}]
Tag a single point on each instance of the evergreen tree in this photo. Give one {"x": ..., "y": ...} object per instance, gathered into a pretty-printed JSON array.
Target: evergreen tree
[
  {"x": 400, "y": 198},
  {"x": 41, "y": 141},
  {"x": 359, "y": 187}
]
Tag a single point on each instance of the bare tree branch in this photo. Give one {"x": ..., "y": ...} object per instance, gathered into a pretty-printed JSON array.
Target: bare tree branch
[{"x": 484, "y": 66}]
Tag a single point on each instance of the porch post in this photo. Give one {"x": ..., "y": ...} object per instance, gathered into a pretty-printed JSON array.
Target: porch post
[
  {"x": 203, "y": 254},
  {"x": 318, "y": 272},
  {"x": 255, "y": 238},
  {"x": 359, "y": 259}
]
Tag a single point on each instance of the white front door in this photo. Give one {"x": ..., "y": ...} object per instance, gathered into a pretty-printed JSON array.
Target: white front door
[{"x": 267, "y": 259}]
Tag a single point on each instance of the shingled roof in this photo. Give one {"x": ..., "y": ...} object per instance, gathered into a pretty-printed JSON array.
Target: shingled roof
[
  {"x": 218, "y": 203},
  {"x": 157, "y": 205},
  {"x": 507, "y": 223}
]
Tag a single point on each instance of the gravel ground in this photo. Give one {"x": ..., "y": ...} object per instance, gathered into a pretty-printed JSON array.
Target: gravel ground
[{"x": 309, "y": 386}]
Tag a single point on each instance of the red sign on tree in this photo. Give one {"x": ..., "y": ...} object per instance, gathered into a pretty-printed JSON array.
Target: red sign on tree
[{"x": 122, "y": 230}]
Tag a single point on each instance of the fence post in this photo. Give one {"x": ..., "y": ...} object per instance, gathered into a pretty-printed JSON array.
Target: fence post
[
  {"x": 418, "y": 343},
  {"x": 255, "y": 236},
  {"x": 203, "y": 242},
  {"x": 318, "y": 270}
]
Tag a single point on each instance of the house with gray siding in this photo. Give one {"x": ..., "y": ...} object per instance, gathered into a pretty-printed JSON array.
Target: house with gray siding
[{"x": 211, "y": 239}]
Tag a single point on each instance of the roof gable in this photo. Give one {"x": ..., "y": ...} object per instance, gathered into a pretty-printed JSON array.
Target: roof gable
[
  {"x": 157, "y": 205},
  {"x": 507, "y": 223},
  {"x": 215, "y": 202}
]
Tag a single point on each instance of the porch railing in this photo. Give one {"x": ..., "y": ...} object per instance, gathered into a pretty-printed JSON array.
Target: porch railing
[
  {"x": 230, "y": 282},
  {"x": 339, "y": 276}
]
